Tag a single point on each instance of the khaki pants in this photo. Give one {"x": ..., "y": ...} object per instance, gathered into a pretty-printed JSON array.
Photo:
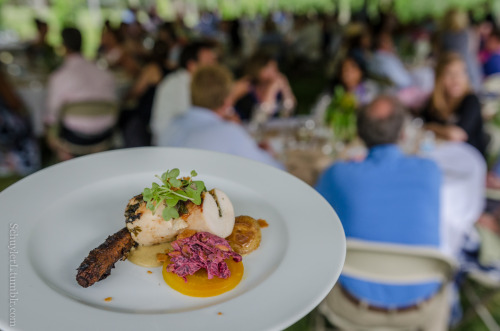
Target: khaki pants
[{"x": 432, "y": 315}]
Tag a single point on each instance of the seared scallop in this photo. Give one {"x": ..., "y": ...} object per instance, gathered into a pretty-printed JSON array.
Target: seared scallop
[{"x": 246, "y": 235}]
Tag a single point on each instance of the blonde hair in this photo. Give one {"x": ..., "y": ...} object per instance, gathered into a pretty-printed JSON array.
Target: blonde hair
[
  {"x": 455, "y": 20},
  {"x": 210, "y": 86},
  {"x": 440, "y": 105}
]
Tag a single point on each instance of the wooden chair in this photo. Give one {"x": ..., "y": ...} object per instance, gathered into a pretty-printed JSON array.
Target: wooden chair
[
  {"x": 390, "y": 264},
  {"x": 86, "y": 109}
]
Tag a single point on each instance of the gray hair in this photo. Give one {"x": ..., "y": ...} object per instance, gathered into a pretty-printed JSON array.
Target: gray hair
[{"x": 380, "y": 130}]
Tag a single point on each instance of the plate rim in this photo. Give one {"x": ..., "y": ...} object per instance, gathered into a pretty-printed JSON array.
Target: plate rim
[{"x": 306, "y": 308}]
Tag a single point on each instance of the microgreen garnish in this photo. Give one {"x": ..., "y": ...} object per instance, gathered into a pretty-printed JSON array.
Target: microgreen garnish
[{"x": 172, "y": 191}]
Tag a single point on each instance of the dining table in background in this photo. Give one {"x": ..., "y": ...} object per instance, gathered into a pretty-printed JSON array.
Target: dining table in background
[{"x": 305, "y": 147}]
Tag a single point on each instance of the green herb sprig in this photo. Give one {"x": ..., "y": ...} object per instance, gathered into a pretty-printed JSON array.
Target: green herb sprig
[{"x": 172, "y": 191}]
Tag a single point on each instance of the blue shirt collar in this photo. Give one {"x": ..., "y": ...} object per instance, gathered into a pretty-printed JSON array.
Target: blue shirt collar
[
  {"x": 204, "y": 114},
  {"x": 385, "y": 152}
]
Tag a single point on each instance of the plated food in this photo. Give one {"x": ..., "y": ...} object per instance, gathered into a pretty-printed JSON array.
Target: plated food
[
  {"x": 67, "y": 218},
  {"x": 189, "y": 231}
]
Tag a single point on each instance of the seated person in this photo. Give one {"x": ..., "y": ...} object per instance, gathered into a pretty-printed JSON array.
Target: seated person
[
  {"x": 172, "y": 96},
  {"x": 78, "y": 80},
  {"x": 271, "y": 40},
  {"x": 263, "y": 88},
  {"x": 386, "y": 64},
  {"x": 462, "y": 192},
  {"x": 492, "y": 63},
  {"x": 352, "y": 78},
  {"x": 207, "y": 124},
  {"x": 457, "y": 36},
  {"x": 359, "y": 47},
  {"x": 134, "y": 122},
  {"x": 167, "y": 34},
  {"x": 40, "y": 54},
  {"x": 19, "y": 152},
  {"x": 454, "y": 111},
  {"x": 115, "y": 54},
  {"x": 389, "y": 197}
]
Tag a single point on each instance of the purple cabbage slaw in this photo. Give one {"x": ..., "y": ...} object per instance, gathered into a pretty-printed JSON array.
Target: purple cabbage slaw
[{"x": 202, "y": 250}]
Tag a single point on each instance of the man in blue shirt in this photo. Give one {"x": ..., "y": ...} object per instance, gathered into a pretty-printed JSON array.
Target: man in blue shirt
[
  {"x": 389, "y": 197},
  {"x": 208, "y": 124}
]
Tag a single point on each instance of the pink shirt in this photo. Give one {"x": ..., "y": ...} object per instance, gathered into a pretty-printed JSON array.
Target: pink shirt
[{"x": 80, "y": 80}]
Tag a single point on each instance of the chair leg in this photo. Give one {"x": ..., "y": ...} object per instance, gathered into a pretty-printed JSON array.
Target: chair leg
[
  {"x": 479, "y": 307},
  {"x": 318, "y": 320}
]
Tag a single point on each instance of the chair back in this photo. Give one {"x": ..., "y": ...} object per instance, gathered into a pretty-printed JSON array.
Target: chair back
[
  {"x": 490, "y": 96},
  {"x": 390, "y": 264},
  {"x": 90, "y": 109},
  {"x": 396, "y": 264},
  {"x": 84, "y": 109}
]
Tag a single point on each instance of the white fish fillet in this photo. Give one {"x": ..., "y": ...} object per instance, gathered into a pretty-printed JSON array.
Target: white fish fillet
[{"x": 214, "y": 215}]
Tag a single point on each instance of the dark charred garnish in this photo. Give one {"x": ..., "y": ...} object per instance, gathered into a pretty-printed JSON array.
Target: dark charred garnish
[
  {"x": 98, "y": 264},
  {"x": 130, "y": 211}
]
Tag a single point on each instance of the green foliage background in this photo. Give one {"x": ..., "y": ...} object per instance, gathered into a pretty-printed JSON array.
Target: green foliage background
[{"x": 18, "y": 14}]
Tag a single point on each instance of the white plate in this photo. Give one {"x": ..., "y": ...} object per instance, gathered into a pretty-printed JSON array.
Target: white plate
[{"x": 59, "y": 214}]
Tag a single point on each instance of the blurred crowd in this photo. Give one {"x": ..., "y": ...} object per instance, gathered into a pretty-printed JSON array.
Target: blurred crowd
[{"x": 205, "y": 86}]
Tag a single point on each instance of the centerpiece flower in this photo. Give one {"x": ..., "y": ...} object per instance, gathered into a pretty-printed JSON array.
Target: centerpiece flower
[{"x": 341, "y": 115}]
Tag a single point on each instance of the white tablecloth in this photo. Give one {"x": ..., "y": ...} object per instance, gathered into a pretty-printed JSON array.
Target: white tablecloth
[{"x": 462, "y": 192}]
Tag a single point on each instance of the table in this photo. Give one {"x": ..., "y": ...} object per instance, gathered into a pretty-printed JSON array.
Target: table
[{"x": 305, "y": 148}]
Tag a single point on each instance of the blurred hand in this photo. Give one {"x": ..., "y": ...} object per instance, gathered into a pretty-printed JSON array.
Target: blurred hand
[
  {"x": 267, "y": 147},
  {"x": 240, "y": 88},
  {"x": 232, "y": 116},
  {"x": 288, "y": 96},
  {"x": 275, "y": 87},
  {"x": 281, "y": 83},
  {"x": 492, "y": 181},
  {"x": 57, "y": 147},
  {"x": 488, "y": 221},
  {"x": 456, "y": 133}
]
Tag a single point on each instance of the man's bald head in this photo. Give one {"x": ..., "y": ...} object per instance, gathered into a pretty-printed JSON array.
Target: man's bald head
[{"x": 381, "y": 121}]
